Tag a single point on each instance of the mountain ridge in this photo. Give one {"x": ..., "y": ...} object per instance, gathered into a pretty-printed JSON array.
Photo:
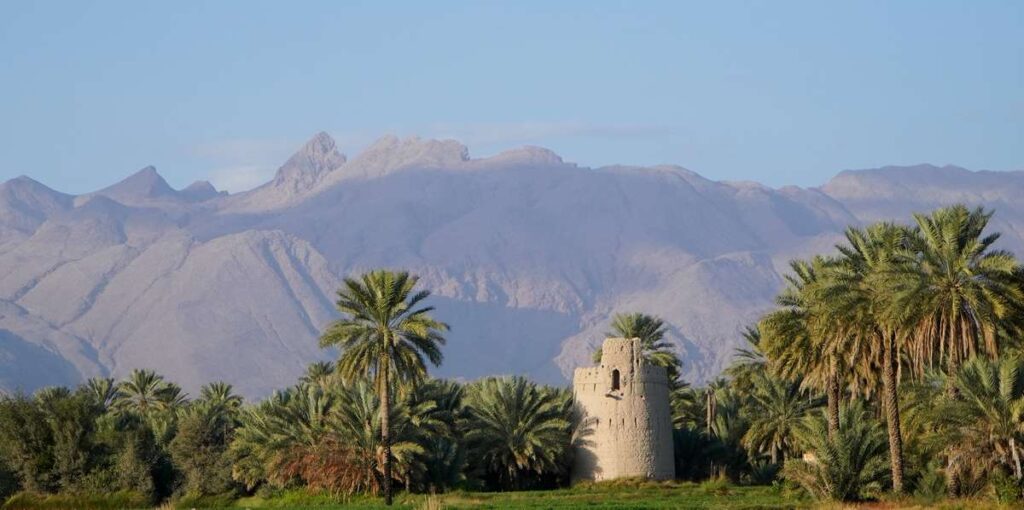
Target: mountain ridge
[{"x": 527, "y": 255}]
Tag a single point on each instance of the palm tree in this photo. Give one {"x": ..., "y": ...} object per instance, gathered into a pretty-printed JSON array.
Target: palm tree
[
  {"x": 172, "y": 397},
  {"x": 318, "y": 372},
  {"x": 776, "y": 408},
  {"x": 102, "y": 389},
  {"x": 49, "y": 394},
  {"x": 357, "y": 424},
  {"x": 221, "y": 395},
  {"x": 272, "y": 433},
  {"x": 958, "y": 292},
  {"x": 516, "y": 426},
  {"x": 958, "y": 296},
  {"x": 143, "y": 392},
  {"x": 800, "y": 342},
  {"x": 989, "y": 411},
  {"x": 437, "y": 412},
  {"x": 727, "y": 424},
  {"x": 384, "y": 335},
  {"x": 841, "y": 466},
  {"x": 748, "y": 361},
  {"x": 857, "y": 302},
  {"x": 651, "y": 332},
  {"x": 687, "y": 405}
]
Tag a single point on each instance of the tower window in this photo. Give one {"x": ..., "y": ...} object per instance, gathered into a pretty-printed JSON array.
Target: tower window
[{"x": 615, "y": 380}]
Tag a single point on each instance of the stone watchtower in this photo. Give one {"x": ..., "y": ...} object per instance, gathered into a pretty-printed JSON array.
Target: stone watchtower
[{"x": 627, "y": 403}]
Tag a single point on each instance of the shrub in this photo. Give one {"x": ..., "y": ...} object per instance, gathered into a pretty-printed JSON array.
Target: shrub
[
  {"x": 199, "y": 451},
  {"x": 762, "y": 473},
  {"x": 112, "y": 501},
  {"x": 1005, "y": 488},
  {"x": 225, "y": 500}
]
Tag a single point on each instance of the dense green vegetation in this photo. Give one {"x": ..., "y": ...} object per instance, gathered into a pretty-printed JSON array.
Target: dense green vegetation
[{"x": 889, "y": 370}]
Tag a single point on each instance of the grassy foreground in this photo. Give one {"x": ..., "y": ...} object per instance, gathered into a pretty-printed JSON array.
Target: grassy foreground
[
  {"x": 628, "y": 494},
  {"x": 646, "y": 495}
]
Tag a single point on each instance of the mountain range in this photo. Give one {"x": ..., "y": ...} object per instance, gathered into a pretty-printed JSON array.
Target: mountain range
[{"x": 527, "y": 256}]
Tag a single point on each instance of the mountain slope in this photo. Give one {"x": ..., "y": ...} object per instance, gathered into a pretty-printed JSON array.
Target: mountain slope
[{"x": 527, "y": 255}]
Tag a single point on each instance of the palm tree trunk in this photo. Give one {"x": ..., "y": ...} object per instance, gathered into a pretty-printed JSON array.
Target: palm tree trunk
[
  {"x": 833, "y": 394},
  {"x": 775, "y": 455},
  {"x": 710, "y": 418},
  {"x": 1016, "y": 458},
  {"x": 892, "y": 412},
  {"x": 385, "y": 426},
  {"x": 952, "y": 469}
]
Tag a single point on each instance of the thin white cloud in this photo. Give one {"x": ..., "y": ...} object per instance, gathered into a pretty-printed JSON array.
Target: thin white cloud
[
  {"x": 244, "y": 150},
  {"x": 241, "y": 178},
  {"x": 240, "y": 164},
  {"x": 531, "y": 132}
]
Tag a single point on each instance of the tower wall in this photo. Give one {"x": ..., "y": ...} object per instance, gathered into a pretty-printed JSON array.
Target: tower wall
[{"x": 630, "y": 431}]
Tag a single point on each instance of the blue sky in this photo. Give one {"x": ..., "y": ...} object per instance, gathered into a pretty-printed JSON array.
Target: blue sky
[{"x": 778, "y": 92}]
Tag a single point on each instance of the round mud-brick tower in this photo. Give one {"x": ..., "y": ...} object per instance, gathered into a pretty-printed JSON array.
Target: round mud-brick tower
[{"x": 625, "y": 402}]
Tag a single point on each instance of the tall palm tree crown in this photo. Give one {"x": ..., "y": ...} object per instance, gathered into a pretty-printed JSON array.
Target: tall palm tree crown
[
  {"x": 384, "y": 332},
  {"x": 961, "y": 296},
  {"x": 748, "y": 361},
  {"x": 221, "y": 395},
  {"x": 103, "y": 389},
  {"x": 144, "y": 391},
  {"x": 651, "y": 332}
]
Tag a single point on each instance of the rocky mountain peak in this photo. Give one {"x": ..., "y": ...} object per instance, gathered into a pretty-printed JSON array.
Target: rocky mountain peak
[
  {"x": 391, "y": 153},
  {"x": 310, "y": 164},
  {"x": 26, "y": 186},
  {"x": 140, "y": 186},
  {"x": 528, "y": 155},
  {"x": 199, "y": 191},
  {"x": 25, "y": 203}
]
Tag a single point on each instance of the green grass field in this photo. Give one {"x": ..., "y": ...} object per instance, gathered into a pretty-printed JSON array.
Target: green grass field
[{"x": 624, "y": 495}]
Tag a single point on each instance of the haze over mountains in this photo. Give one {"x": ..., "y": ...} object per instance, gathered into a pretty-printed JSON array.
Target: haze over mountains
[{"x": 527, "y": 255}]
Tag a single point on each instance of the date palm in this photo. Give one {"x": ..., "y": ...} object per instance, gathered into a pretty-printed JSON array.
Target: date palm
[
  {"x": 283, "y": 436},
  {"x": 516, "y": 426},
  {"x": 144, "y": 392},
  {"x": 748, "y": 361},
  {"x": 776, "y": 408},
  {"x": 172, "y": 397},
  {"x": 437, "y": 412},
  {"x": 959, "y": 296},
  {"x": 385, "y": 335},
  {"x": 687, "y": 405},
  {"x": 843, "y": 466},
  {"x": 221, "y": 396},
  {"x": 989, "y": 411},
  {"x": 357, "y": 424},
  {"x": 651, "y": 332},
  {"x": 102, "y": 389},
  {"x": 959, "y": 292},
  {"x": 800, "y": 340},
  {"x": 857, "y": 301},
  {"x": 318, "y": 372}
]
